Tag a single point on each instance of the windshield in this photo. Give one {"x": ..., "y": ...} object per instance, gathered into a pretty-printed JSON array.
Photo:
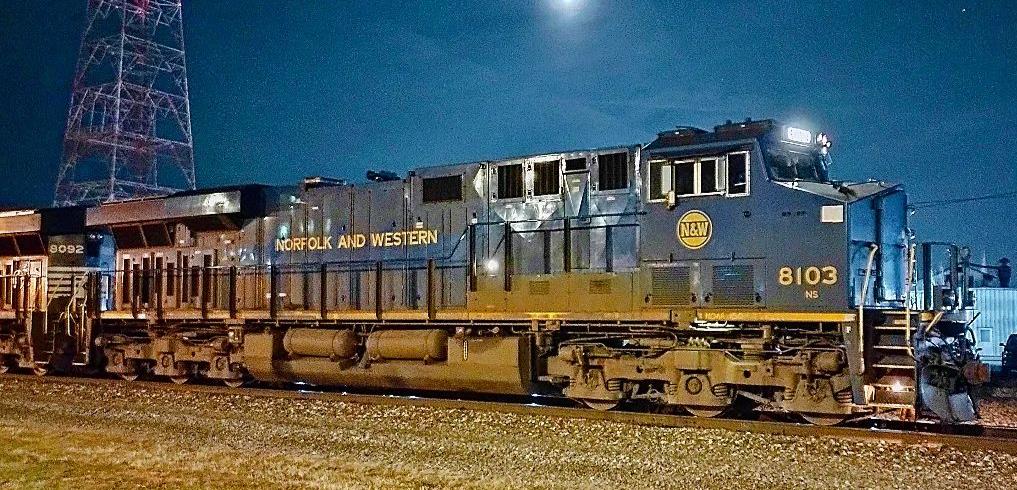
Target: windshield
[{"x": 786, "y": 165}]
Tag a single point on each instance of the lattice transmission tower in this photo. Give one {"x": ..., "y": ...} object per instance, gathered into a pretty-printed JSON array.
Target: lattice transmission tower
[{"x": 129, "y": 124}]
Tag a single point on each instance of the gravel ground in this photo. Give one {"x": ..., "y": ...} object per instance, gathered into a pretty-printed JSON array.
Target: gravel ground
[
  {"x": 1000, "y": 412},
  {"x": 999, "y": 407},
  {"x": 123, "y": 436}
]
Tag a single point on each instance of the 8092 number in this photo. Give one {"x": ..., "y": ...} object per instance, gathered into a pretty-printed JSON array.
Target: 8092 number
[{"x": 66, "y": 249}]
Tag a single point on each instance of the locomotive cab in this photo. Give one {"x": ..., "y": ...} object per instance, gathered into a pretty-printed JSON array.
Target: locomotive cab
[
  {"x": 47, "y": 258},
  {"x": 825, "y": 255}
]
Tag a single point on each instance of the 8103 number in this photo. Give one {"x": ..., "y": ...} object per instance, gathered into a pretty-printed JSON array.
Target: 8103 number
[{"x": 807, "y": 276}]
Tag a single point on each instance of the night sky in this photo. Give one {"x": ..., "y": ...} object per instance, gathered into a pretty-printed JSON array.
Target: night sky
[{"x": 924, "y": 93}]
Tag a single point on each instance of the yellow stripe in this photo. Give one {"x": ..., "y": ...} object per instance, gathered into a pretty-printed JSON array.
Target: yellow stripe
[
  {"x": 466, "y": 315},
  {"x": 773, "y": 316}
]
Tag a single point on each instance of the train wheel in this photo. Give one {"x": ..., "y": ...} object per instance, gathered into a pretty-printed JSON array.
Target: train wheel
[
  {"x": 234, "y": 383},
  {"x": 601, "y": 405},
  {"x": 129, "y": 376},
  {"x": 4, "y": 368},
  {"x": 180, "y": 379},
  {"x": 40, "y": 370},
  {"x": 707, "y": 413},
  {"x": 825, "y": 419}
]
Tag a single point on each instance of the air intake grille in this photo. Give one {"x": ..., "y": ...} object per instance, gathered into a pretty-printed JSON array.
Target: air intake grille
[
  {"x": 732, "y": 285},
  {"x": 670, "y": 286}
]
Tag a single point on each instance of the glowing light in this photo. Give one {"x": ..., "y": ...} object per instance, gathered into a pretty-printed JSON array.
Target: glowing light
[
  {"x": 798, "y": 135},
  {"x": 567, "y": 8},
  {"x": 897, "y": 387},
  {"x": 492, "y": 266},
  {"x": 568, "y": 4}
]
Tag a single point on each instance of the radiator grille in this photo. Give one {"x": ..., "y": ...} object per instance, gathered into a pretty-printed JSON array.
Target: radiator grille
[
  {"x": 670, "y": 286},
  {"x": 733, "y": 285}
]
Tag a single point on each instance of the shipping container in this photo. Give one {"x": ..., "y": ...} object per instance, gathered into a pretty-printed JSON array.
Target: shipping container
[{"x": 997, "y": 319}]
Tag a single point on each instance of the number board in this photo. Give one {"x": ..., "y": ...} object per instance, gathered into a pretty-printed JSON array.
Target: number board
[
  {"x": 66, "y": 250},
  {"x": 807, "y": 278}
]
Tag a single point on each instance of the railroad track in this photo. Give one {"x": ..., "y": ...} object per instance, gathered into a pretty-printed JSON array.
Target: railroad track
[{"x": 968, "y": 436}]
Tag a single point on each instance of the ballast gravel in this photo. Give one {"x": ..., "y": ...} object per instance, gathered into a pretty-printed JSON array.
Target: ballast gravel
[{"x": 118, "y": 435}]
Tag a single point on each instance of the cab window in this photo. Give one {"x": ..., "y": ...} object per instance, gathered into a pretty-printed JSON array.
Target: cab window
[
  {"x": 708, "y": 181},
  {"x": 788, "y": 166},
  {"x": 714, "y": 175},
  {"x": 684, "y": 178},
  {"x": 737, "y": 174},
  {"x": 660, "y": 181}
]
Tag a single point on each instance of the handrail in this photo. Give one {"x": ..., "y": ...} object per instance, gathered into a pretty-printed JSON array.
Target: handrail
[
  {"x": 563, "y": 218},
  {"x": 873, "y": 248},
  {"x": 574, "y": 228},
  {"x": 909, "y": 284},
  {"x": 441, "y": 262}
]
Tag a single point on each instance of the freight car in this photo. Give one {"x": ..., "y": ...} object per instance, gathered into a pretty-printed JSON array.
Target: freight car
[{"x": 705, "y": 270}]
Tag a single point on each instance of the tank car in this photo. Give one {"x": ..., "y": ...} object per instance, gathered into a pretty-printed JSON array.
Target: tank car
[{"x": 705, "y": 270}]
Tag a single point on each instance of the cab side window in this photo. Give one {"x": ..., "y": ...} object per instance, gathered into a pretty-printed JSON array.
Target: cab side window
[
  {"x": 660, "y": 179},
  {"x": 708, "y": 181},
  {"x": 738, "y": 174},
  {"x": 684, "y": 178},
  {"x": 726, "y": 175}
]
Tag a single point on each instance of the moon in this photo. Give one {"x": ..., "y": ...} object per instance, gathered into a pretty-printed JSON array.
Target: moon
[{"x": 567, "y": 8}]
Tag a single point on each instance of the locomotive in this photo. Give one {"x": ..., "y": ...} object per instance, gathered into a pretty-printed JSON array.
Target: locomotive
[{"x": 706, "y": 271}]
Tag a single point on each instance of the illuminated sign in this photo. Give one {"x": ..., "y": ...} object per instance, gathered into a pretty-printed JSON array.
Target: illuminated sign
[
  {"x": 402, "y": 238},
  {"x": 694, "y": 229},
  {"x": 798, "y": 135}
]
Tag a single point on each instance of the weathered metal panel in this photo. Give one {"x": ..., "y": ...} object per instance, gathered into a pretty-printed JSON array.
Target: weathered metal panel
[
  {"x": 20, "y": 222},
  {"x": 997, "y": 319},
  {"x": 125, "y": 212},
  {"x": 249, "y": 200}
]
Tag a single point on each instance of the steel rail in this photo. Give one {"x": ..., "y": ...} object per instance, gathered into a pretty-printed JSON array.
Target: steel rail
[{"x": 963, "y": 437}]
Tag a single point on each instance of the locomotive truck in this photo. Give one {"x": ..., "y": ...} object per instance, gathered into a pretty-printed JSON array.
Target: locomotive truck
[{"x": 704, "y": 271}]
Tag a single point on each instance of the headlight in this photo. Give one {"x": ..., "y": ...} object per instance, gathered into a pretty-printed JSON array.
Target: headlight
[{"x": 824, "y": 142}]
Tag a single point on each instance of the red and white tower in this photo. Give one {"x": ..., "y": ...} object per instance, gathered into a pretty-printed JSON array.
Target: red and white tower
[{"x": 129, "y": 124}]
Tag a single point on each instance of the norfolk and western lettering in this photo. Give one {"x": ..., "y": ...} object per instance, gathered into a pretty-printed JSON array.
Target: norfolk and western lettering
[{"x": 401, "y": 238}]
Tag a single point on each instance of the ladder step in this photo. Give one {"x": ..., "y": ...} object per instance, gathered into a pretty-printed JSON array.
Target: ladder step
[
  {"x": 893, "y": 366},
  {"x": 916, "y": 314},
  {"x": 894, "y": 389},
  {"x": 893, "y": 328},
  {"x": 891, "y": 347}
]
